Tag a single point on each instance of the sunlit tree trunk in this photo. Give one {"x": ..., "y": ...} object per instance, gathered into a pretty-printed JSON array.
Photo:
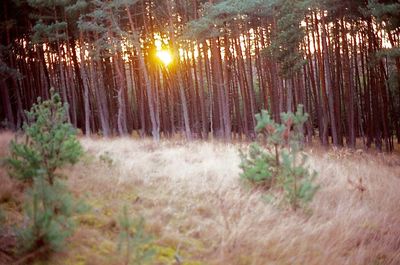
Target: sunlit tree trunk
[
  {"x": 142, "y": 66},
  {"x": 85, "y": 79}
]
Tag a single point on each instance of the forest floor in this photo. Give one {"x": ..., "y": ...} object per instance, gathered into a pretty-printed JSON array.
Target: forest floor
[{"x": 199, "y": 212}]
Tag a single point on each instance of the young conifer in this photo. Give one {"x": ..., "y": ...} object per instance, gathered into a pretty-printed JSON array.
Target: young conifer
[
  {"x": 133, "y": 240},
  {"x": 50, "y": 144},
  {"x": 281, "y": 164}
]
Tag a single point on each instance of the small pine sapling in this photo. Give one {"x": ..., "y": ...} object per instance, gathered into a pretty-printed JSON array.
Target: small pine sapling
[
  {"x": 134, "y": 243},
  {"x": 281, "y": 164},
  {"x": 259, "y": 166},
  {"x": 50, "y": 142},
  {"x": 296, "y": 178},
  {"x": 49, "y": 209}
]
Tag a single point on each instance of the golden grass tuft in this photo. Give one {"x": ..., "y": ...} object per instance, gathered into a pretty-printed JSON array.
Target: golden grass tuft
[
  {"x": 5, "y": 138},
  {"x": 10, "y": 190}
]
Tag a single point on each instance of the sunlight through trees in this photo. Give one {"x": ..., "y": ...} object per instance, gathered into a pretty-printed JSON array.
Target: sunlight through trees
[{"x": 205, "y": 68}]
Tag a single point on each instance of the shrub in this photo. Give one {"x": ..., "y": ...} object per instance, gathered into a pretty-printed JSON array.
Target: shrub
[
  {"x": 49, "y": 209},
  {"x": 107, "y": 159},
  {"x": 50, "y": 144},
  {"x": 133, "y": 241},
  {"x": 280, "y": 164}
]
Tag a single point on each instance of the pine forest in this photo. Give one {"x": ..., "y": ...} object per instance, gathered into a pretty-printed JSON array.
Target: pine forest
[
  {"x": 194, "y": 132},
  {"x": 203, "y": 69}
]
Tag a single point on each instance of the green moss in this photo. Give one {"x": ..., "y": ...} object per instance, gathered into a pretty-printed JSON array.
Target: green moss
[
  {"x": 165, "y": 255},
  {"x": 76, "y": 260},
  {"x": 108, "y": 211},
  {"x": 90, "y": 220},
  {"x": 169, "y": 256},
  {"x": 165, "y": 251},
  {"x": 106, "y": 248}
]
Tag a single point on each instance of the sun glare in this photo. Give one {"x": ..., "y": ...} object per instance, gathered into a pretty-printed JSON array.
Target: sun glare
[{"x": 165, "y": 57}]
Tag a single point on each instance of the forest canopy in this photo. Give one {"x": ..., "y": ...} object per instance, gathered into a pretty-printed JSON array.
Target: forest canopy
[{"x": 205, "y": 68}]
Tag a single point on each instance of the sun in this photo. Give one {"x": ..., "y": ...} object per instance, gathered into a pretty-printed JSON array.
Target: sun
[{"x": 165, "y": 57}]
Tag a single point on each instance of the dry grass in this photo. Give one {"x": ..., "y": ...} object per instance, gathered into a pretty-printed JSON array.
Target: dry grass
[
  {"x": 5, "y": 138},
  {"x": 10, "y": 190},
  {"x": 195, "y": 205}
]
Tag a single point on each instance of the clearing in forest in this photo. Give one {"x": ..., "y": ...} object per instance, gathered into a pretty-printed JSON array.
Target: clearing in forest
[{"x": 199, "y": 212}]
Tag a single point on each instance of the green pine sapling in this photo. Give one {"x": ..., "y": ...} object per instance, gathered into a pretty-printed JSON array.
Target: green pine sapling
[
  {"x": 50, "y": 144},
  {"x": 281, "y": 164},
  {"x": 133, "y": 241},
  {"x": 49, "y": 209}
]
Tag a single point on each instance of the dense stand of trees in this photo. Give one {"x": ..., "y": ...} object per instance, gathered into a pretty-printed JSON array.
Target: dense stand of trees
[{"x": 232, "y": 58}]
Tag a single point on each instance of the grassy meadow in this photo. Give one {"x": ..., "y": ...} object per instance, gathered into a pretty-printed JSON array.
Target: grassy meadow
[{"x": 198, "y": 211}]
